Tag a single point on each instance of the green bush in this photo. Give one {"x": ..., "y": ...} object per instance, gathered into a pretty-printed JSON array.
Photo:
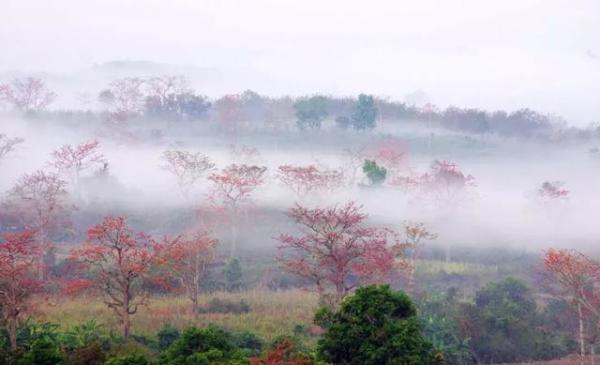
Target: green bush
[
  {"x": 135, "y": 359},
  {"x": 376, "y": 325},
  {"x": 167, "y": 335},
  {"x": 375, "y": 173}
]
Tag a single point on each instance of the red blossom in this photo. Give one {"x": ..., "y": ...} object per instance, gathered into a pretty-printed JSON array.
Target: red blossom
[{"x": 336, "y": 250}]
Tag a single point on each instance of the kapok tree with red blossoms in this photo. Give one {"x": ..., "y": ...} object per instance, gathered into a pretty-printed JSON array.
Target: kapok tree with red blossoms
[
  {"x": 29, "y": 94},
  {"x": 232, "y": 192},
  {"x": 445, "y": 183},
  {"x": 18, "y": 281},
  {"x": 336, "y": 250},
  {"x": 73, "y": 160},
  {"x": 303, "y": 180},
  {"x": 576, "y": 277},
  {"x": 186, "y": 260},
  {"x": 117, "y": 260},
  {"x": 39, "y": 200},
  {"x": 188, "y": 167}
]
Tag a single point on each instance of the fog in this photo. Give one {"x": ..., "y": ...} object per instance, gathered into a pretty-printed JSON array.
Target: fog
[{"x": 504, "y": 55}]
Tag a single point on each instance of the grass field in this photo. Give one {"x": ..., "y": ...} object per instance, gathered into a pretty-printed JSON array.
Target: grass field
[{"x": 272, "y": 313}]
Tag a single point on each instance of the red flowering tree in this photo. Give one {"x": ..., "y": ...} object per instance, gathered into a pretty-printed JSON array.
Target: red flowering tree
[
  {"x": 18, "y": 281},
  {"x": 303, "y": 180},
  {"x": 73, "y": 160},
  {"x": 186, "y": 260},
  {"x": 188, "y": 167},
  {"x": 577, "y": 277},
  {"x": 391, "y": 153},
  {"x": 117, "y": 260},
  {"x": 232, "y": 191},
  {"x": 445, "y": 183},
  {"x": 336, "y": 250},
  {"x": 29, "y": 94},
  {"x": 39, "y": 200}
]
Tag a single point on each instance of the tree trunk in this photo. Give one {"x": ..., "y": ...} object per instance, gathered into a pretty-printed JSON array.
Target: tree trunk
[
  {"x": 593, "y": 353},
  {"x": 125, "y": 314},
  {"x": 234, "y": 235},
  {"x": 12, "y": 331},
  {"x": 581, "y": 339}
]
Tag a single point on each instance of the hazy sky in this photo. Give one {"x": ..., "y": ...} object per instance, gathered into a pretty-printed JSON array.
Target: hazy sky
[{"x": 489, "y": 54}]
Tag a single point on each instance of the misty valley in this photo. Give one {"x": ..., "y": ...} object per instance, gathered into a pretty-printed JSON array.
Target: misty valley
[{"x": 155, "y": 225}]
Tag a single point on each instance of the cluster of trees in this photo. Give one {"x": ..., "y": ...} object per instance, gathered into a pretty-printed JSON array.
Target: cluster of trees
[{"x": 171, "y": 98}]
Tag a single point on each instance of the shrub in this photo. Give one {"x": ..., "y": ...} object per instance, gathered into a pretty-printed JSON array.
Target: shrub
[
  {"x": 91, "y": 354},
  {"x": 167, "y": 335},
  {"x": 134, "y": 359},
  {"x": 376, "y": 325},
  {"x": 217, "y": 305},
  {"x": 375, "y": 173}
]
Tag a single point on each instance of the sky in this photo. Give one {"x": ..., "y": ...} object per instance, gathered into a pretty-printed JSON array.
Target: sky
[{"x": 488, "y": 54}]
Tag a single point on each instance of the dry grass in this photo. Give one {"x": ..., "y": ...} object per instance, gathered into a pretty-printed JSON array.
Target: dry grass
[{"x": 272, "y": 313}]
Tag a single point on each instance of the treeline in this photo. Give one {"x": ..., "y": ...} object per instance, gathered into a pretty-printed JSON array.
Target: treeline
[{"x": 172, "y": 98}]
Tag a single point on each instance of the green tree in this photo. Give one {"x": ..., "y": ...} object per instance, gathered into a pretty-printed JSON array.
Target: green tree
[
  {"x": 233, "y": 275},
  {"x": 365, "y": 113},
  {"x": 311, "y": 111},
  {"x": 374, "y": 326},
  {"x": 375, "y": 173}
]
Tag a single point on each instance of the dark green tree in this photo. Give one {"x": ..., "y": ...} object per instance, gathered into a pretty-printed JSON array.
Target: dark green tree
[
  {"x": 311, "y": 111},
  {"x": 374, "y": 326},
  {"x": 365, "y": 113},
  {"x": 233, "y": 275},
  {"x": 375, "y": 173}
]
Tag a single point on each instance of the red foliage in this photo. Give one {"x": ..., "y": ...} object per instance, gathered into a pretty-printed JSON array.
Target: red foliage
[
  {"x": 18, "y": 257},
  {"x": 39, "y": 199},
  {"x": 337, "y": 250},
  {"x": 444, "y": 183},
  {"x": 234, "y": 184},
  {"x": 75, "y": 159},
  {"x": 186, "y": 260},
  {"x": 283, "y": 354},
  {"x": 119, "y": 260},
  {"x": 391, "y": 153},
  {"x": 303, "y": 180}
]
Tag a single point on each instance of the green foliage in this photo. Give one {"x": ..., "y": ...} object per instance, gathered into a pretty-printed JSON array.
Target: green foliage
[
  {"x": 439, "y": 320},
  {"x": 167, "y": 335},
  {"x": 365, "y": 113},
  {"x": 233, "y": 275},
  {"x": 91, "y": 354},
  {"x": 376, "y": 325},
  {"x": 43, "y": 351},
  {"x": 132, "y": 359},
  {"x": 506, "y": 327},
  {"x": 249, "y": 343},
  {"x": 375, "y": 173},
  {"x": 310, "y": 112},
  {"x": 203, "y": 346}
]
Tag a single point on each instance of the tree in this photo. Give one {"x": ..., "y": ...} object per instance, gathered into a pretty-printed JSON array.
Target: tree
[
  {"x": 445, "y": 183},
  {"x": 170, "y": 97},
  {"x": 391, "y": 153},
  {"x": 30, "y": 95},
  {"x": 188, "y": 167},
  {"x": 365, "y": 113},
  {"x": 577, "y": 277},
  {"x": 39, "y": 199},
  {"x": 8, "y": 144},
  {"x": 18, "y": 281},
  {"x": 118, "y": 260},
  {"x": 232, "y": 190},
  {"x": 337, "y": 251},
  {"x": 310, "y": 112},
  {"x": 125, "y": 97},
  {"x": 375, "y": 325},
  {"x": 414, "y": 236},
  {"x": 187, "y": 259},
  {"x": 375, "y": 173},
  {"x": 303, "y": 180},
  {"x": 506, "y": 315},
  {"x": 233, "y": 275},
  {"x": 73, "y": 160}
]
